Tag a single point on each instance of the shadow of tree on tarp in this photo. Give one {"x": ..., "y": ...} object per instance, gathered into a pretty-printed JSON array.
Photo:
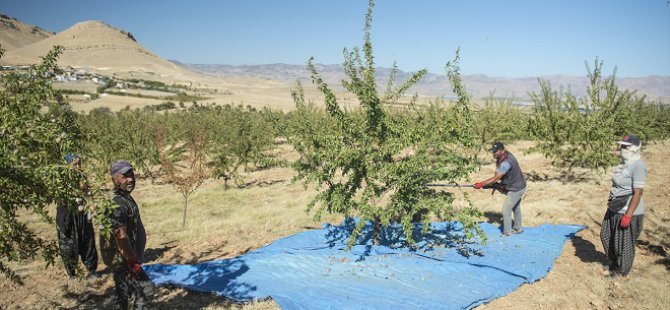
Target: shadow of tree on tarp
[
  {"x": 218, "y": 275},
  {"x": 445, "y": 235}
]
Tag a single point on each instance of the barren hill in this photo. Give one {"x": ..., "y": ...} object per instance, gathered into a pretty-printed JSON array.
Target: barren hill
[
  {"x": 96, "y": 46},
  {"x": 15, "y": 34}
]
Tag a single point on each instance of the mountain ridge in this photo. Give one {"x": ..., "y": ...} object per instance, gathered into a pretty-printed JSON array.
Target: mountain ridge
[
  {"x": 102, "y": 48},
  {"x": 16, "y": 34},
  {"x": 98, "y": 47},
  {"x": 655, "y": 87}
]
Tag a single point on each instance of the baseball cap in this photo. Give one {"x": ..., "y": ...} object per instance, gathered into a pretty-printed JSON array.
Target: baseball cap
[
  {"x": 497, "y": 146},
  {"x": 69, "y": 158},
  {"x": 120, "y": 166},
  {"x": 630, "y": 140}
]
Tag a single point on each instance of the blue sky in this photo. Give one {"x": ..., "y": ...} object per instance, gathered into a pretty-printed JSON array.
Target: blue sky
[{"x": 512, "y": 38}]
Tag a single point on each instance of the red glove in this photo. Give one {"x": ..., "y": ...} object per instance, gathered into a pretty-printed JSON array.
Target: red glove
[
  {"x": 625, "y": 221},
  {"x": 134, "y": 267},
  {"x": 479, "y": 185}
]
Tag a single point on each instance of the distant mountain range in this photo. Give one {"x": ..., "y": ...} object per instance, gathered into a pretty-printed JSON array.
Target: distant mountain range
[
  {"x": 96, "y": 46},
  {"x": 656, "y": 88}
]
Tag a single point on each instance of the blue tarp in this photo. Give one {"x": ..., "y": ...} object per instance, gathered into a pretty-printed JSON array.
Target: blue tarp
[{"x": 314, "y": 270}]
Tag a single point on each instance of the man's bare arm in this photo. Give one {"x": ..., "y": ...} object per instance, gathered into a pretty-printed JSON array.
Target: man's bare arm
[
  {"x": 498, "y": 176},
  {"x": 123, "y": 244}
]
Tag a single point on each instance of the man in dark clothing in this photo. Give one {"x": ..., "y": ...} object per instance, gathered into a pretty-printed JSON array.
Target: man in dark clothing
[
  {"x": 513, "y": 183},
  {"x": 75, "y": 230},
  {"x": 123, "y": 250}
]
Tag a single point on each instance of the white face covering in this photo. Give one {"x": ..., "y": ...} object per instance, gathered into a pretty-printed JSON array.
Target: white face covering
[{"x": 630, "y": 154}]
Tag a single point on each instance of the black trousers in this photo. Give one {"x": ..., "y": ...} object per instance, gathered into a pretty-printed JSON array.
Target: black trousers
[
  {"x": 619, "y": 243},
  {"x": 76, "y": 239},
  {"x": 127, "y": 285}
]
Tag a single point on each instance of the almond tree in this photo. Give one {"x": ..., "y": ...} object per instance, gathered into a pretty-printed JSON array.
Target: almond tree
[
  {"x": 37, "y": 129},
  {"x": 579, "y": 132},
  {"x": 185, "y": 162},
  {"x": 242, "y": 136},
  {"x": 499, "y": 120},
  {"x": 359, "y": 167}
]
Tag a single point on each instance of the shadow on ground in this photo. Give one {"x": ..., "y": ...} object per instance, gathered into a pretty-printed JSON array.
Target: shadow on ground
[
  {"x": 564, "y": 177},
  {"x": 179, "y": 256},
  {"x": 167, "y": 297},
  {"x": 151, "y": 255},
  {"x": 586, "y": 251},
  {"x": 656, "y": 249},
  {"x": 493, "y": 217}
]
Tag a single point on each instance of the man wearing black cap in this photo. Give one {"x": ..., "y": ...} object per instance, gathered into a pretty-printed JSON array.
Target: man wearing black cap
[
  {"x": 123, "y": 251},
  {"x": 75, "y": 229},
  {"x": 508, "y": 172}
]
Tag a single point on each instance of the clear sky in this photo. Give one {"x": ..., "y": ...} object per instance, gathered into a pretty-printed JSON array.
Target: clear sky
[{"x": 503, "y": 38}]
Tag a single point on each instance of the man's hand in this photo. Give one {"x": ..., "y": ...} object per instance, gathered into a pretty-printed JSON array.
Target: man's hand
[
  {"x": 625, "y": 221},
  {"x": 134, "y": 267},
  {"x": 478, "y": 185}
]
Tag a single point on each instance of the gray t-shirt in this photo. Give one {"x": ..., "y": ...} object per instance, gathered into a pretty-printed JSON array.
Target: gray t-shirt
[
  {"x": 627, "y": 177},
  {"x": 512, "y": 179},
  {"x": 504, "y": 167}
]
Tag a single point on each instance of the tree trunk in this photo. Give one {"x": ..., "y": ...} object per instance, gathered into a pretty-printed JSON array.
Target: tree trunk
[
  {"x": 183, "y": 222},
  {"x": 151, "y": 176},
  {"x": 375, "y": 231}
]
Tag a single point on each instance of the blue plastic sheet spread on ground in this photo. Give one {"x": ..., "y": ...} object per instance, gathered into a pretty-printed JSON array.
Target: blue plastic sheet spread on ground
[{"x": 314, "y": 270}]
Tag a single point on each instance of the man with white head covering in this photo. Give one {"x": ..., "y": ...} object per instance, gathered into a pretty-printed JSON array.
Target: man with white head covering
[{"x": 622, "y": 223}]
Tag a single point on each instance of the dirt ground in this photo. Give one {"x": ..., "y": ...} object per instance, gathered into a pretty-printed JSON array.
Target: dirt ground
[{"x": 267, "y": 206}]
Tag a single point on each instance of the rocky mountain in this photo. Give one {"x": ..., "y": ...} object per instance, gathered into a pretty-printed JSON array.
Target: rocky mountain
[
  {"x": 479, "y": 86},
  {"x": 15, "y": 33}
]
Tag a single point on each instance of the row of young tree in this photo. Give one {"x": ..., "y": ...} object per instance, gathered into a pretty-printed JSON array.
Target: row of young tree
[
  {"x": 372, "y": 162},
  {"x": 571, "y": 131}
]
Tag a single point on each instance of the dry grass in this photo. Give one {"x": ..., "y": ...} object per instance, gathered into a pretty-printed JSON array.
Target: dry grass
[
  {"x": 85, "y": 86},
  {"x": 226, "y": 223}
]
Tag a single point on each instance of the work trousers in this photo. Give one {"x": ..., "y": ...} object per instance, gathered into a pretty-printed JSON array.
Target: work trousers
[
  {"x": 619, "y": 243},
  {"x": 512, "y": 205},
  {"x": 76, "y": 239},
  {"x": 128, "y": 285}
]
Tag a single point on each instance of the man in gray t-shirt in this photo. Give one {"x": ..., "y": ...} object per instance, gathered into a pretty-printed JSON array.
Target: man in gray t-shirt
[
  {"x": 621, "y": 228},
  {"x": 625, "y": 178},
  {"x": 508, "y": 174}
]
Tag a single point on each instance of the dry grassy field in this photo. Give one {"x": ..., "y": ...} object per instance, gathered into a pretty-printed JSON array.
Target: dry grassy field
[
  {"x": 267, "y": 206},
  {"x": 244, "y": 91}
]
